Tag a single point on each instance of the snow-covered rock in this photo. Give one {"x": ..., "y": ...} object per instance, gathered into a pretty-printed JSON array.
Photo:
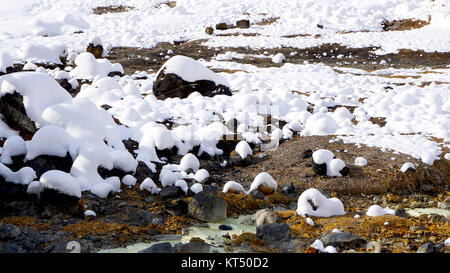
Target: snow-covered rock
[
  {"x": 149, "y": 186},
  {"x": 232, "y": 186},
  {"x": 360, "y": 162},
  {"x": 61, "y": 182},
  {"x": 376, "y": 210},
  {"x": 263, "y": 182},
  {"x": 323, "y": 207}
]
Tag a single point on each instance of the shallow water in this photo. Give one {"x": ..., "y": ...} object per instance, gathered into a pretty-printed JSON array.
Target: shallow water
[
  {"x": 419, "y": 211},
  {"x": 210, "y": 234}
]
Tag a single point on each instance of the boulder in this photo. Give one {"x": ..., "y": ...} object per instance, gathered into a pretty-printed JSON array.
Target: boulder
[
  {"x": 342, "y": 239},
  {"x": 159, "y": 248},
  {"x": 96, "y": 50},
  {"x": 208, "y": 207},
  {"x": 171, "y": 192},
  {"x": 274, "y": 232},
  {"x": 243, "y": 23},
  {"x": 14, "y": 113},
  {"x": 266, "y": 216},
  {"x": 180, "y": 76}
]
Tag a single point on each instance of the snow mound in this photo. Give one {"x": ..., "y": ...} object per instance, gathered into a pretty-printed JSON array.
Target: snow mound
[
  {"x": 243, "y": 149},
  {"x": 88, "y": 67},
  {"x": 312, "y": 203},
  {"x": 60, "y": 181},
  {"x": 89, "y": 213},
  {"x": 406, "y": 166},
  {"x": 149, "y": 186},
  {"x": 129, "y": 180},
  {"x": 13, "y": 146},
  {"x": 376, "y": 210},
  {"x": 37, "y": 53},
  {"x": 102, "y": 189},
  {"x": 49, "y": 140},
  {"x": 233, "y": 186},
  {"x": 196, "y": 188},
  {"x": 201, "y": 175},
  {"x": 191, "y": 70},
  {"x": 278, "y": 58},
  {"x": 189, "y": 161},
  {"x": 5, "y": 62},
  {"x": 320, "y": 124},
  {"x": 23, "y": 176},
  {"x": 360, "y": 162},
  {"x": 322, "y": 156},
  {"x": 183, "y": 185},
  {"x": 263, "y": 179},
  {"x": 319, "y": 246}
]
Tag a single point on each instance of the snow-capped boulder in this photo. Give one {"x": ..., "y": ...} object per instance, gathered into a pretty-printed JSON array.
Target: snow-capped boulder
[
  {"x": 312, "y": 203},
  {"x": 95, "y": 46},
  {"x": 180, "y": 76},
  {"x": 233, "y": 187},
  {"x": 324, "y": 163},
  {"x": 376, "y": 210},
  {"x": 264, "y": 183}
]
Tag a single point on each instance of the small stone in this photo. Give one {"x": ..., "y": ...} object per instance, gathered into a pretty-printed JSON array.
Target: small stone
[
  {"x": 243, "y": 23},
  {"x": 221, "y": 26},
  {"x": 209, "y": 30},
  {"x": 266, "y": 216},
  {"x": 426, "y": 248},
  {"x": 225, "y": 227},
  {"x": 307, "y": 153}
]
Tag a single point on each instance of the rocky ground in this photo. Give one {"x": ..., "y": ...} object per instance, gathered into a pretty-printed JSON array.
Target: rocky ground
[{"x": 133, "y": 216}]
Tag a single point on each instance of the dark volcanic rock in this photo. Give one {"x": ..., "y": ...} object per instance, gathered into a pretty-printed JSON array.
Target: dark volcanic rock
[
  {"x": 44, "y": 163},
  {"x": 243, "y": 23},
  {"x": 172, "y": 86},
  {"x": 273, "y": 232},
  {"x": 208, "y": 207},
  {"x": 142, "y": 172},
  {"x": 171, "y": 192},
  {"x": 13, "y": 111},
  {"x": 341, "y": 239},
  {"x": 159, "y": 248},
  {"x": 320, "y": 169},
  {"x": 177, "y": 207},
  {"x": 225, "y": 227}
]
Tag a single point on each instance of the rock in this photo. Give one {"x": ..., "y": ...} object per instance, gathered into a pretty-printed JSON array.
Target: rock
[
  {"x": 171, "y": 85},
  {"x": 307, "y": 153},
  {"x": 194, "y": 247},
  {"x": 426, "y": 188},
  {"x": 237, "y": 160},
  {"x": 97, "y": 50},
  {"x": 243, "y": 23},
  {"x": 426, "y": 248},
  {"x": 6, "y": 247},
  {"x": 225, "y": 227},
  {"x": 320, "y": 169},
  {"x": 208, "y": 207},
  {"x": 417, "y": 228},
  {"x": 374, "y": 246},
  {"x": 142, "y": 172},
  {"x": 345, "y": 171},
  {"x": 177, "y": 207},
  {"x": 209, "y": 30},
  {"x": 9, "y": 232},
  {"x": 257, "y": 194},
  {"x": 443, "y": 205},
  {"x": 159, "y": 248},
  {"x": 14, "y": 113},
  {"x": 44, "y": 163},
  {"x": 221, "y": 26},
  {"x": 247, "y": 221},
  {"x": 342, "y": 239},
  {"x": 273, "y": 232},
  {"x": 401, "y": 213},
  {"x": 59, "y": 247},
  {"x": 289, "y": 189},
  {"x": 266, "y": 216},
  {"x": 171, "y": 192}
]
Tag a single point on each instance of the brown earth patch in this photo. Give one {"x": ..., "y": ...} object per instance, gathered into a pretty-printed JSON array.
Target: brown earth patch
[
  {"x": 404, "y": 24},
  {"x": 111, "y": 9}
]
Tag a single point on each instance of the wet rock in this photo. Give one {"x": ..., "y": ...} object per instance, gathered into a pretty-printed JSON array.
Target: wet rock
[
  {"x": 426, "y": 248},
  {"x": 273, "y": 232},
  {"x": 6, "y": 247},
  {"x": 171, "y": 192},
  {"x": 58, "y": 247},
  {"x": 209, "y": 30},
  {"x": 320, "y": 169},
  {"x": 173, "y": 86},
  {"x": 257, "y": 194},
  {"x": 9, "y": 232},
  {"x": 177, "y": 207},
  {"x": 401, "y": 213},
  {"x": 289, "y": 189},
  {"x": 342, "y": 239},
  {"x": 243, "y": 23},
  {"x": 159, "y": 248},
  {"x": 14, "y": 113},
  {"x": 225, "y": 227},
  {"x": 96, "y": 50},
  {"x": 266, "y": 216},
  {"x": 208, "y": 207},
  {"x": 142, "y": 172}
]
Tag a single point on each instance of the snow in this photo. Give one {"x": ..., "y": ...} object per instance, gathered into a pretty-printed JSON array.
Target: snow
[
  {"x": 201, "y": 175},
  {"x": 319, "y": 246},
  {"x": 406, "y": 166},
  {"x": 190, "y": 70},
  {"x": 189, "y": 161},
  {"x": 309, "y": 221},
  {"x": 183, "y": 185},
  {"x": 39, "y": 53},
  {"x": 89, "y": 213},
  {"x": 447, "y": 242},
  {"x": 322, "y": 156},
  {"x": 233, "y": 186},
  {"x": 129, "y": 180},
  {"x": 49, "y": 140},
  {"x": 102, "y": 189},
  {"x": 447, "y": 156},
  {"x": 325, "y": 207},
  {"x": 360, "y": 162},
  {"x": 376, "y": 210},
  {"x": 149, "y": 186},
  {"x": 23, "y": 176},
  {"x": 60, "y": 181},
  {"x": 334, "y": 166},
  {"x": 34, "y": 188},
  {"x": 320, "y": 124},
  {"x": 95, "y": 40},
  {"x": 87, "y": 67},
  {"x": 243, "y": 149},
  {"x": 5, "y": 62},
  {"x": 263, "y": 179},
  {"x": 196, "y": 188},
  {"x": 13, "y": 146},
  {"x": 278, "y": 58}
]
